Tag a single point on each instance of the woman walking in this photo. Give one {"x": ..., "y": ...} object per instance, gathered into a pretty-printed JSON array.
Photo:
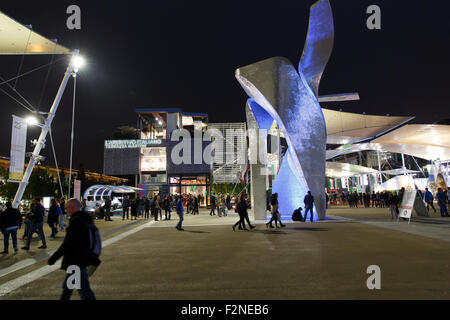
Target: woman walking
[
  {"x": 274, "y": 211},
  {"x": 243, "y": 214}
]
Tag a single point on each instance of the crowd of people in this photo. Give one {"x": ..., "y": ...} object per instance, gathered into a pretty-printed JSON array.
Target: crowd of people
[
  {"x": 11, "y": 221},
  {"x": 389, "y": 199}
]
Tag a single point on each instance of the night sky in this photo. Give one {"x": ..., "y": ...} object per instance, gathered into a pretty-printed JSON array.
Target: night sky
[{"x": 184, "y": 54}]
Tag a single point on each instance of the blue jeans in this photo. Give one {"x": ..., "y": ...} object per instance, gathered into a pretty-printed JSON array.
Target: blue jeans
[
  {"x": 6, "y": 234},
  {"x": 61, "y": 222},
  {"x": 306, "y": 213},
  {"x": 180, "y": 223},
  {"x": 443, "y": 208},
  {"x": 85, "y": 291},
  {"x": 39, "y": 227}
]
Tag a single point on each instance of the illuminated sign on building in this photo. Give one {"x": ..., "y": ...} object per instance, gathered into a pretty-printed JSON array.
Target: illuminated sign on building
[{"x": 131, "y": 144}]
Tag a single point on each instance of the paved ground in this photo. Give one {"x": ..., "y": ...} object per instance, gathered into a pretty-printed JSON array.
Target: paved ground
[{"x": 326, "y": 260}]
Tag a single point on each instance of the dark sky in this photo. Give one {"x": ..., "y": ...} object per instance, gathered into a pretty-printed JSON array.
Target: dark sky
[{"x": 184, "y": 54}]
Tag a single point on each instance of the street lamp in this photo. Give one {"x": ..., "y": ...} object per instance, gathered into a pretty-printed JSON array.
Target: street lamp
[
  {"x": 32, "y": 121},
  {"x": 77, "y": 62}
]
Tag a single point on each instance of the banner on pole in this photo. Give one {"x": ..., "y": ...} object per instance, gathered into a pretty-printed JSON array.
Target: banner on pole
[
  {"x": 18, "y": 146},
  {"x": 76, "y": 189},
  {"x": 409, "y": 197}
]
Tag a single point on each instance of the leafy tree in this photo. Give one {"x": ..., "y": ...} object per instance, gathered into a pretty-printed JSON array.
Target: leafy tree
[
  {"x": 7, "y": 189},
  {"x": 126, "y": 132},
  {"x": 41, "y": 184}
]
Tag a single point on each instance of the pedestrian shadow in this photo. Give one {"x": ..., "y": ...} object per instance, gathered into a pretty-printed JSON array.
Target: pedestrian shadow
[
  {"x": 268, "y": 231},
  {"x": 195, "y": 231},
  {"x": 311, "y": 229}
]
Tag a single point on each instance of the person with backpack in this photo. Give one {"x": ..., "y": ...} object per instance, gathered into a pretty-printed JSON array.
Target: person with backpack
[
  {"x": 10, "y": 222},
  {"x": 81, "y": 248}
]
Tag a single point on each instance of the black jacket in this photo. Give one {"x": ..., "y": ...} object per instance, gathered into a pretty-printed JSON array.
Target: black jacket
[
  {"x": 75, "y": 247},
  {"x": 38, "y": 213},
  {"x": 10, "y": 218},
  {"x": 52, "y": 215}
]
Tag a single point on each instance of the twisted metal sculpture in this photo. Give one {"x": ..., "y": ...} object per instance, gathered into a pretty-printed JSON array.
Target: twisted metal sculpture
[{"x": 278, "y": 92}]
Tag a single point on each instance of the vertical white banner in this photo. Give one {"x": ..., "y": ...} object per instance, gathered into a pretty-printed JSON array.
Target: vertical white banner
[
  {"x": 406, "y": 207},
  {"x": 18, "y": 145},
  {"x": 76, "y": 189}
]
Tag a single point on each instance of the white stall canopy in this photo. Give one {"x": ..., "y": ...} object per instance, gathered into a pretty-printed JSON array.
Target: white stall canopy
[{"x": 15, "y": 38}]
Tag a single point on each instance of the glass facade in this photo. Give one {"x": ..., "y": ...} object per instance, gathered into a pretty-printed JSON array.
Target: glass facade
[{"x": 153, "y": 159}]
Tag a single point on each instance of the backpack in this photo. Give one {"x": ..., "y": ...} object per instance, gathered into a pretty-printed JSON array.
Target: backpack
[
  {"x": 94, "y": 239},
  {"x": 297, "y": 215}
]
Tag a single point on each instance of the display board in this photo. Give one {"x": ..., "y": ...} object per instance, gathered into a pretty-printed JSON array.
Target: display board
[{"x": 406, "y": 207}]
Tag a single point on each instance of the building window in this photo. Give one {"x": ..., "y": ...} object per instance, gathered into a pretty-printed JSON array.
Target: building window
[
  {"x": 175, "y": 180},
  {"x": 153, "y": 159},
  {"x": 154, "y": 178}
]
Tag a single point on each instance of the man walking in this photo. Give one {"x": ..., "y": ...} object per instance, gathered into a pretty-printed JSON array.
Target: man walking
[
  {"x": 10, "y": 222},
  {"x": 309, "y": 204},
  {"x": 76, "y": 250},
  {"x": 213, "y": 205},
  {"x": 125, "y": 206},
  {"x": 429, "y": 199},
  {"x": 37, "y": 224},
  {"x": 442, "y": 202},
  {"x": 107, "y": 207},
  {"x": 180, "y": 212}
]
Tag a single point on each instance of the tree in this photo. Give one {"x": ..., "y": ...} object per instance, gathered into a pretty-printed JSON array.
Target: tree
[
  {"x": 7, "y": 189},
  {"x": 126, "y": 132},
  {"x": 41, "y": 184}
]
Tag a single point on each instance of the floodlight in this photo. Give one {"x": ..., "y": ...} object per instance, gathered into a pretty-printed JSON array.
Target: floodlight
[
  {"x": 32, "y": 121},
  {"x": 77, "y": 63}
]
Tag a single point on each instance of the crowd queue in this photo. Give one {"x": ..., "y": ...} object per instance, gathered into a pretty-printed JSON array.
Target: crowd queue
[{"x": 389, "y": 199}]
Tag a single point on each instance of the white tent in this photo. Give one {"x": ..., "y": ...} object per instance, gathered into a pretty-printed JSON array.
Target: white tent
[
  {"x": 15, "y": 38},
  {"x": 345, "y": 127}
]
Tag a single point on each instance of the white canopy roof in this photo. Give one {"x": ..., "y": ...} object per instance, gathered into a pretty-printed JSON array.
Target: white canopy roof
[
  {"x": 344, "y": 170},
  {"x": 396, "y": 172},
  {"x": 427, "y": 141},
  {"x": 345, "y": 127},
  {"x": 15, "y": 38}
]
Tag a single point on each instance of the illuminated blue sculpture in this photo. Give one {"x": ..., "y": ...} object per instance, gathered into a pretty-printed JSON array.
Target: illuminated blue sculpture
[{"x": 278, "y": 92}]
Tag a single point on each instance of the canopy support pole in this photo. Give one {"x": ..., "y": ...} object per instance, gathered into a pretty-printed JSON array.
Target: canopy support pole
[
  {"x": 403, "y": 163},
  {"x": 44, "y": 131}
]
